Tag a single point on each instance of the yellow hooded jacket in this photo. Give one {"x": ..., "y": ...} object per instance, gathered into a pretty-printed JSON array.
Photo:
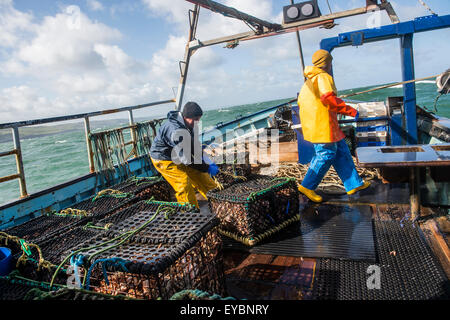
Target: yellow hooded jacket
[{"x": 318, "y": 115}]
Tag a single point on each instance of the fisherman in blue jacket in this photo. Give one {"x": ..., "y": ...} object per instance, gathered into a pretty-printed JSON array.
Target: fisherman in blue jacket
[{"x": 177, "y": 154}]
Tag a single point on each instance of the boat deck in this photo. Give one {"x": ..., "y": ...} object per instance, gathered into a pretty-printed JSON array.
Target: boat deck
[{"x": 412, "y": 259}]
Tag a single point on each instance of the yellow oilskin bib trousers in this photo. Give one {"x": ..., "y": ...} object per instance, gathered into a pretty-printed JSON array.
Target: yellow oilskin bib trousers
[{"x": 185, "y": 180}]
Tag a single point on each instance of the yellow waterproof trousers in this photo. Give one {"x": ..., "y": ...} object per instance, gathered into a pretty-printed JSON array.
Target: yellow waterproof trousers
[{"x": 185, "y": 180}]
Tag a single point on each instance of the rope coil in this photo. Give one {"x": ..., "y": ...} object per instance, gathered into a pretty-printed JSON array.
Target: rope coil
[{"x": 111, "y": 193}]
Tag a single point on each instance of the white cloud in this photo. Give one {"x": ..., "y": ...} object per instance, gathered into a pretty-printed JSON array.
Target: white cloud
[
  {"x": 69, "y": 63},
  {"x": 72, "y": 64},
  {"x": 12, "y": 23},
  {"x": 22, "y": 103},
  {"x": 174, "y": 10},
  {"x": 62, "y": 43},
  {"x": 95, "y": 5}
]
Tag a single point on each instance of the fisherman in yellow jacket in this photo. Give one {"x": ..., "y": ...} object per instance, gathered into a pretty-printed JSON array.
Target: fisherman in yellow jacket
[{"x": 319, "y": 106}]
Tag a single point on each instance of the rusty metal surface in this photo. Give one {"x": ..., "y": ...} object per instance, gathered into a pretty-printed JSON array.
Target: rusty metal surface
[{"x": 404, "y": 156}]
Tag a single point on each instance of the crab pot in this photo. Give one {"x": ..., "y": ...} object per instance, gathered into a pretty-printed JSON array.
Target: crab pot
[
  {"x": 52, "y": 249},
  {"x": 19, "y": 289},
  {"x": 253, "y": 210},
  {"x": 167, "y": 254},
  {"x": 100, "y": 206},
  {"x": 144, "y": 188},
  {"x": 15, "y": 289},
  {"x": 39, "y": 228},
  {"x": 233, "y": 172}
]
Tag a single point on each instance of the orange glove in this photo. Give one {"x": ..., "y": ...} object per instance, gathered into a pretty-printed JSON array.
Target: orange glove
[{"x": 337, "y": 105}]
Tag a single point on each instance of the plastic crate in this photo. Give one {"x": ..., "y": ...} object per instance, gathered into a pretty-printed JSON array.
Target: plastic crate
[
  {"x": 376, "y": 125},
  {"x": 253, "y": 210},
  {"x": 382, "y": 135},
  {"x": 372, "y": 109},
  {"x": 372, "y": 144}
]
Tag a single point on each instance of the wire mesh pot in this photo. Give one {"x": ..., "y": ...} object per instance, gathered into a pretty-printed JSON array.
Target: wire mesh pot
[
  {"x": 176, "y": 248},
  {"x": 252, "y": 210}
]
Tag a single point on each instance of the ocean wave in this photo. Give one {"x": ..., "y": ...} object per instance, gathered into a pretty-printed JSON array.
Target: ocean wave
[
  {"x": 426, "y": 81},
  {"x": 61, "y": 141},
  {"x": 418, "y": 82},
  {"x": 396, "y": 87}
]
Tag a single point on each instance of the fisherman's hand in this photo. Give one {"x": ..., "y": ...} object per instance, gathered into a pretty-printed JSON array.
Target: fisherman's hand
[{"x": 213, "y": 169}]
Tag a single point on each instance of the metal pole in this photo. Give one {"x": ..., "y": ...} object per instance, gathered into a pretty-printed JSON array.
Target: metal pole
[
  {"x": 184, "y": 66},
  {"x": 409, "y": 89},
  {"x": 132, "y": 131},
  {"x": 87, "y": 131},
  {"x": 414, "y": 192},
  {"x": 19, "y": 162},
  {"x": 302, "y": 62}
]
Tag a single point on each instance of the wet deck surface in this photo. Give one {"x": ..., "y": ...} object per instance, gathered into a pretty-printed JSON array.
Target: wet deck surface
[
  {"x": 325, "y": 231},
  {"x": 409, "y": 269}
]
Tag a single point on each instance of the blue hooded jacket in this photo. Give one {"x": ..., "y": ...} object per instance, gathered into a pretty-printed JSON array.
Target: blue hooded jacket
[{"x": 169, "y": 137}]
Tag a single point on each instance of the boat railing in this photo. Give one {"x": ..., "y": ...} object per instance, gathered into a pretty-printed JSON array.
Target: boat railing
[{"x": 17, "y": 151}]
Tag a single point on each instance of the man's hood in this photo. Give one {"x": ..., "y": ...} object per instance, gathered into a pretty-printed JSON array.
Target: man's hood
[
  {"x": 312, "y": 71},
  {"x": 175, "y": 116}
]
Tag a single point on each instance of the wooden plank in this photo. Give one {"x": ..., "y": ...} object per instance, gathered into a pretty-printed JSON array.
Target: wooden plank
[
  {"x": 437, "y": 244},
  {"x": 280, "y": 152}
]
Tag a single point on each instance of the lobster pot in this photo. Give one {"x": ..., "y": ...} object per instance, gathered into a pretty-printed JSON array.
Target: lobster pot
[
  {"x": 36, "y": 229},
  {"x": 56, "y": 246},
  {"x": 233, "y": 172},
  {"x": 19, "y": 289},
  {"x": 171, "y": 248},
  {"x": 12, "y": 288},
  {"x": 51, "y": 249},
  {"x": 253, "y": 210},
  {"x": 104, "y": 203},
  {"x": 71, "y": 295},
  {"x": 144, "y": 188}
]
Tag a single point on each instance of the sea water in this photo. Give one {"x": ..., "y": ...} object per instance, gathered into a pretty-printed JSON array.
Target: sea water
[{"x": 53, "y": 159}]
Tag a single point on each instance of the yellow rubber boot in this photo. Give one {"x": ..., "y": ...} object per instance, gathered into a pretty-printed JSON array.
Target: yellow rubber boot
[
  {"x": 364, "y": 186},
  {"x": 310, "y": 194}
]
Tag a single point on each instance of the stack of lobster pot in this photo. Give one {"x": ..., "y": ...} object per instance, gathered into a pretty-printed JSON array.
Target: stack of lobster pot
[
  {"x": 253, "y": 210},
  {"x": 152, "y": 250},
  {"x": 372, "y": 131}
]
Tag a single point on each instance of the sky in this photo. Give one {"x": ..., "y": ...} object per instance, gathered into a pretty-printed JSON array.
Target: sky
[{"x": 74, "y": 56}]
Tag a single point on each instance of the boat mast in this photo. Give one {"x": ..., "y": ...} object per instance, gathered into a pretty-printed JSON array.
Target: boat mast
[
  {"x": 184, "y": 65},
  {"x": 260, "y": 29}
]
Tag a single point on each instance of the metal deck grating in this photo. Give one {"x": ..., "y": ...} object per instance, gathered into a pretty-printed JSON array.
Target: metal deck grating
[
  {"x": 408, "y": 270},
  {"x": 324, "y": 231}
]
